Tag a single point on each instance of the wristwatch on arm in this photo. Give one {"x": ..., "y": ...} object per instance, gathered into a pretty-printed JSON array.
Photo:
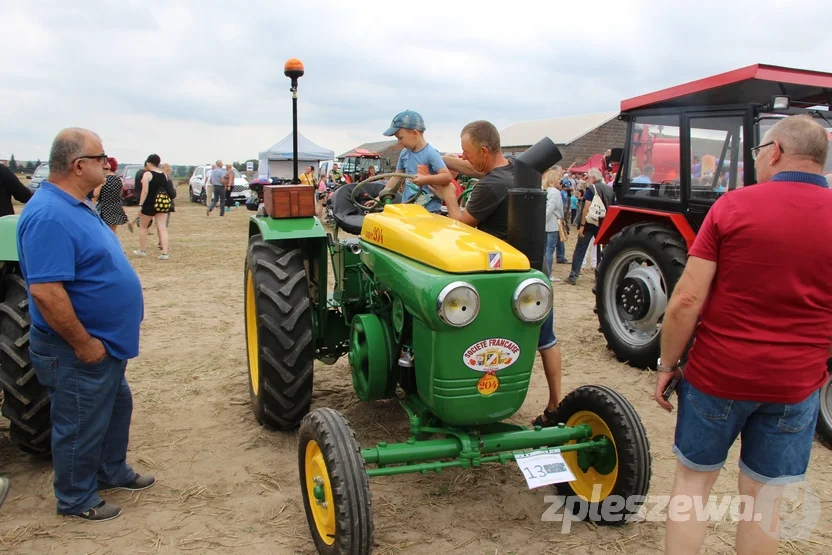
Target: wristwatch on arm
[{"x": 664, "y": 368}]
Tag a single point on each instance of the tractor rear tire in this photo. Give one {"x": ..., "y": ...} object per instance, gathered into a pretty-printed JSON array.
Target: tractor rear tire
[
  {"x": 668, "y": 251},
  {"x": 610, "y": 415},
  {"x": 335, "y": 486},
  {"x": 25, "y": 401},
  {"x": 824, "y": 425},
  {"x": 278, "y": 317}
]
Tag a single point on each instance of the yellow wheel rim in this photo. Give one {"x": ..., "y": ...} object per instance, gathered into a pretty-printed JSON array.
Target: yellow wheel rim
[
  {"x": 251, "y": 335},
  {"x": 585, "y": 481},
  {"x": 319, "y": 492}
]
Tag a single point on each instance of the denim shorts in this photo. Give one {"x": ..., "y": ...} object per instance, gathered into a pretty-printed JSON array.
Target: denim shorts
[
  {"x": 547, "y": 339},
  {"x": 776, "y": 438}
]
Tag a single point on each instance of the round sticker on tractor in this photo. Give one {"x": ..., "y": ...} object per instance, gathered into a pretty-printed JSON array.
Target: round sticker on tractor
[
  {"x": 488, "y": 384},
  {"x": 490, "y": 355}
]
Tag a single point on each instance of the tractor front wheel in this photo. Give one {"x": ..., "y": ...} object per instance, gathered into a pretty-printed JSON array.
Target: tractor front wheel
[
  {"x": 25, "y": 401},
  {"x": 635, "y": 279},
  {"x": 278, "y": 318},
  {"x": 824, "y": 426},
  {"x": 335, "y": 487},
  {"x": 610, "y": 485}
]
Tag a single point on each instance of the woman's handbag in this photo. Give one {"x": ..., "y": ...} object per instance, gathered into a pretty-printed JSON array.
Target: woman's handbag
[
  {"x": 162, "y": 202},
  {"x": 597, "y": 210}
]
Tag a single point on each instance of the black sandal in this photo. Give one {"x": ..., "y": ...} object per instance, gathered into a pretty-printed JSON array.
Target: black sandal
[{"x": 545, "y": 420}]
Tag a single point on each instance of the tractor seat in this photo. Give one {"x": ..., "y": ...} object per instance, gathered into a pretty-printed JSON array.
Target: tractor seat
[{"x": 346, "y": 214}]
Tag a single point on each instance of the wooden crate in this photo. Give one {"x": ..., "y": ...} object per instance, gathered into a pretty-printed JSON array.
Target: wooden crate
[{"x": 289, "y": 201}]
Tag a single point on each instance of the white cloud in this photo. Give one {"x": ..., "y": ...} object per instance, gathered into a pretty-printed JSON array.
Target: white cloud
[{"x": 195, "y": 80}]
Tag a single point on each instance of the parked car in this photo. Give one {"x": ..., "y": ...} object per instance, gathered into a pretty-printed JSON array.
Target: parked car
[
  {"x": 40, "y": 173},
  {"x": 240, "y": 192},
  {"x": 127, "y": 173}
]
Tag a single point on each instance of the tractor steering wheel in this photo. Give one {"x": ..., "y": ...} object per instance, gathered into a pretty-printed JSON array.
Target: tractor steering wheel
[{"x": 386, "y": 199}]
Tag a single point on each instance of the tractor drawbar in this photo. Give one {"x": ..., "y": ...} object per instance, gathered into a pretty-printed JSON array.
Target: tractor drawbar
[{"x": 527, "y": 201}]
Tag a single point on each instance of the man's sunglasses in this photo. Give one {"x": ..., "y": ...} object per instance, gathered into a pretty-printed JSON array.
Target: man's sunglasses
[{"x": 100, "y": 157}]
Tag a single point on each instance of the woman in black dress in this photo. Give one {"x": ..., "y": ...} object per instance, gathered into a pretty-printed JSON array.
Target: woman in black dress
[
  {"x": 110, "y": 204},
  {"x": 155, "y": 205}
]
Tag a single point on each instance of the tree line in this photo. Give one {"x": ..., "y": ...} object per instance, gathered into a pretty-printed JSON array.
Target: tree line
[{"x": 178, "y": 171}]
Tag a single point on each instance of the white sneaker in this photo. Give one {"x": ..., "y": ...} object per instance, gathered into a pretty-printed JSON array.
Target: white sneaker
[
  {"x": 137, "y": 252},
  {"x": 163, "y": 257}
]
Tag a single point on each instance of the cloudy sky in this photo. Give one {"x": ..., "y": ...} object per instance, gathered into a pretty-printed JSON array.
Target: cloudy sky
[{"x": 194, "y": 80}]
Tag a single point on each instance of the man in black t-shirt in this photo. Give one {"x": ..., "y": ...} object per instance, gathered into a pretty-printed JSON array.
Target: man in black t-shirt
[
  {"x": 10, "y": 186},
  {"x": 487, "y": 210}
]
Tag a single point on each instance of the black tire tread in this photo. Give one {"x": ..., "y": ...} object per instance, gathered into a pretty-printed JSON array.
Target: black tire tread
[
  {"x": 348, "y": 479},
  {"x": 632, "y": 444},
  {"x": 286, "y": 348},
  {"x": 824, "y": 427},
  {"x": 670, "y": 251},
  {"x": 26, "y": 402}
]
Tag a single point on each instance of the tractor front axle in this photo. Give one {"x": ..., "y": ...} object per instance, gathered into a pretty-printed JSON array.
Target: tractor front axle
[{"x": 472, "y": 449}]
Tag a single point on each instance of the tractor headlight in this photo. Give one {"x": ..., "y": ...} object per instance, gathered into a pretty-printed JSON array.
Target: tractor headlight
[
  {"x": 532, "y": 300},
  {"x": 458, "y": 304}
]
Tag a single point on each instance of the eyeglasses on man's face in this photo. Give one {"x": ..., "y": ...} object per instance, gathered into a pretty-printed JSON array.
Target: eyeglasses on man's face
[{"x": 755, "y": 151}]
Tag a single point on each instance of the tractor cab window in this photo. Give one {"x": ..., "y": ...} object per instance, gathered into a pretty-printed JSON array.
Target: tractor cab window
[
  {"x": 716, "y": 164},
  {"x": 654, "y": 168},
  {"x": 348, "y": 167}
]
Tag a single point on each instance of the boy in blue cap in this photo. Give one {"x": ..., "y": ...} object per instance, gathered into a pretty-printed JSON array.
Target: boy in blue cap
[{"x": 418, "y": 158}]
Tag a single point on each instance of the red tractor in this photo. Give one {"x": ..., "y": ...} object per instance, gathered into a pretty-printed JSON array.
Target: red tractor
[
  {"x": 357, "y": 163},
  {"x": 686, "y": 146}
]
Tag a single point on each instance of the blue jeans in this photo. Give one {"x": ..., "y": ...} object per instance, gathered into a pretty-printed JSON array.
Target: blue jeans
[
  {"x": 552, "y": 241},
  {"x": 776, "y": 438},
  {"x": 584, "y": 242},
  {"x": 91, "y": 409},
  {"x": 219, "y": 196}
]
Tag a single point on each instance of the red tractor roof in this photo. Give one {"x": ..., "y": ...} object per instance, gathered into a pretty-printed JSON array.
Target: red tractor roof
[
  {"x": 362, "y": 153},
  {"x": 752, "y": 84}
]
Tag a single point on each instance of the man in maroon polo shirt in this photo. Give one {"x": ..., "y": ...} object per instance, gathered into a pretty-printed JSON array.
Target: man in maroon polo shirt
[{"x": 760, "y": 286}]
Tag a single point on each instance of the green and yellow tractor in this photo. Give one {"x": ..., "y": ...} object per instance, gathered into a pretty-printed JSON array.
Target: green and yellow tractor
[
  {"x": 25, "y": 401},
  {"x": 434, "y": 314}
]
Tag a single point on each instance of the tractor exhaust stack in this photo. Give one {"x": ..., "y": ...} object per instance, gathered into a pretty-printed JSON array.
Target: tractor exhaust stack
[{"x": 527, "y": 201}]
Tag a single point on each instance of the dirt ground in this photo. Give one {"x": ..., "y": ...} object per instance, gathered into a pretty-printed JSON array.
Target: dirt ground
[{"x": 227, "y": 486}]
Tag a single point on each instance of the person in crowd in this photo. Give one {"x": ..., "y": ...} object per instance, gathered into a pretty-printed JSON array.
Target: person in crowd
[
  {"x": 110, "y": 205},
  {"x": 308, "y": 176},
  {"x": 170, "y": 189},
  {"x": 335, "y": 174},
  {"x": 216, "y": 179},
  {"x": 10, "y": 186},
  {"x": 417, "y": 158},
  {"x": 155, "y": 204},
  {"x": 554, "y": 216},
  {"x": 587, "y": 230},
  {"x": 755, "y": 290},
  {"x": 74, "y": 265},
  {"x": 487, "y": 210},
  {"x": 229, "y": 185},
  {"x": 576, "y": 197}
]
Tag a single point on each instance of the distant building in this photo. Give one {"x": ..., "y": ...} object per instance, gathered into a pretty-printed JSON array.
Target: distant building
[
  {"x": 387, "y": 150},
  {"x": 577, "y": 137}
]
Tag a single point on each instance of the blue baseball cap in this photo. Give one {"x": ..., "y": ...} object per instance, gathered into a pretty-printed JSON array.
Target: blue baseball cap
[{"x": 406, "y": 120}]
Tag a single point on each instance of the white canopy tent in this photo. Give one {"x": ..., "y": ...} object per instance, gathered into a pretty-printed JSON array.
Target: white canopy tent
[{"x": 278, "y": 160}]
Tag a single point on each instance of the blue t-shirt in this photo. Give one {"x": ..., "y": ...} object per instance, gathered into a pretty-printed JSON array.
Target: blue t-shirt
[
  {"x": 427, "y": 161},
  {"x": 573, "y": 202},
  {"x": 62, "y": 239}
]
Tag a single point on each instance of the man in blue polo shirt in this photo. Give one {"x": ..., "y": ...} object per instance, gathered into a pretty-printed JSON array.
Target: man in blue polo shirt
[{"x": 86, "y": 306}]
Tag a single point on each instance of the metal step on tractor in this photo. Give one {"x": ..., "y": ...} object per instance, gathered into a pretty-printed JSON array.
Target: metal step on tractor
[
  {"x": 433, "y": 314},
  {"x": 686, "y": 147}
]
